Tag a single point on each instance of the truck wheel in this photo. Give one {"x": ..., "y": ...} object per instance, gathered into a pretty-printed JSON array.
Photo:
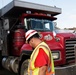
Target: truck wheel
[{"x": 24, "y": 68}]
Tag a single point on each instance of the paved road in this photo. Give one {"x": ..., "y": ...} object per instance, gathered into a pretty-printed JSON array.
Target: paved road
[{"x": 6, "y": 72}]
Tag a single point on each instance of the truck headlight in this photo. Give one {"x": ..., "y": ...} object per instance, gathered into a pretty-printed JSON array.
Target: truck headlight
[{"x": 56, "y": 55}]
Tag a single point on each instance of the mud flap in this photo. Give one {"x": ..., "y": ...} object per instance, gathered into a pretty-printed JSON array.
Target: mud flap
[{"x": 69, "y": 70}]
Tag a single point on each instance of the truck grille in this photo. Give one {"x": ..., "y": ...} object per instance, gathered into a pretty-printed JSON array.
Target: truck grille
[{"x": 70, "y": 52}]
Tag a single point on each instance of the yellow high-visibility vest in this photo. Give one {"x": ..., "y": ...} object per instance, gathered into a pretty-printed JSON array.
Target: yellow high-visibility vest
[{"x": 32, "y": 70}]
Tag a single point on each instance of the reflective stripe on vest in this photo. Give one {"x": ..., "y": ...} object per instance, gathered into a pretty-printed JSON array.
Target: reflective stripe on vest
[{"x": 32, "y": 70}]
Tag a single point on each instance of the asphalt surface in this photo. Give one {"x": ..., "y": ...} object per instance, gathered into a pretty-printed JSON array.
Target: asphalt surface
[{"x": 6, "y": 72}]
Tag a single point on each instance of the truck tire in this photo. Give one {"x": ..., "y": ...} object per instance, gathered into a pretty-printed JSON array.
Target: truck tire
[{"x": 24, "y": 68}]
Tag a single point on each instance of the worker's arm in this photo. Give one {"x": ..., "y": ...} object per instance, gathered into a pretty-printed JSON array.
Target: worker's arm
[{"x": 42, "y": 70}]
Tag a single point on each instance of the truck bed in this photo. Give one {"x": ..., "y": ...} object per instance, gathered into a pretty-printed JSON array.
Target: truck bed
[{"x": 16, "y": 7}]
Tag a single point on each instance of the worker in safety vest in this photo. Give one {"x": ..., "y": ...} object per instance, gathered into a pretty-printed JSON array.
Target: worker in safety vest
[{"x": 41, "y": 62}]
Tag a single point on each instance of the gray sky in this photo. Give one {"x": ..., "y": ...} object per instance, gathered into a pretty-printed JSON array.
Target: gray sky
[{"x": 65, "y": 20}]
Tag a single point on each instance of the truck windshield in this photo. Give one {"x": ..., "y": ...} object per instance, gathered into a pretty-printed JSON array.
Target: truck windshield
[{"x": 39, "y": 24}]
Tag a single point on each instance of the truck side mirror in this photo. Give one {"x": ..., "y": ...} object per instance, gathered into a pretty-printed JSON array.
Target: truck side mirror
[
  {"x": 54, "y": 33},
  {"x": 6, "y": 24}
]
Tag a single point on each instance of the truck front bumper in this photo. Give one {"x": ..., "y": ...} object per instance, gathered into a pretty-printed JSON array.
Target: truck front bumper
[{"x": 68, "y": 70}]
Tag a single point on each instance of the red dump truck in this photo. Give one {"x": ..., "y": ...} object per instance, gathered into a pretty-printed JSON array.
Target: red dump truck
[{"x": 15, "y": 19}]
